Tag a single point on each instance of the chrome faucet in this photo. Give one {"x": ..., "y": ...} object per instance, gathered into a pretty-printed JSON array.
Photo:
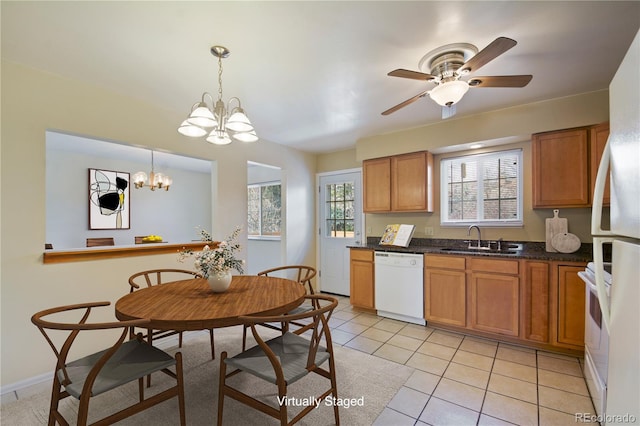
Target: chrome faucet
[{"x": 479, "y": 237}]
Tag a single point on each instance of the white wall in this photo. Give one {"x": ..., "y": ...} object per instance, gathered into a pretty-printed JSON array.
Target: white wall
[
  {"x": 172, "y": 214},
  {"x": 26, "y": 284}
]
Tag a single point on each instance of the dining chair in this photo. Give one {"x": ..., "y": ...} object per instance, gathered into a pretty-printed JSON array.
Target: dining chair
[
  {"x": 160, "y": 276},
  {"x": 300, "y": 273},
  {"x": 95, "y": 242},
  {"x": 117, "y": 365},
  {"x": 284, "y": 360}
]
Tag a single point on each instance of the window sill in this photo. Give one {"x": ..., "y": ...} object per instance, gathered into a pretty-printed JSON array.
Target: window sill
[
  {"x": 114, "y": 252},
  {"x": 263, "y": 238},
  {"x": 481, "y": 224}
]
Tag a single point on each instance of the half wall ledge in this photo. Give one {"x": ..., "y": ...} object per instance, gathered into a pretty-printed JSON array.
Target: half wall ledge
[{"x": 113, "y": 252}]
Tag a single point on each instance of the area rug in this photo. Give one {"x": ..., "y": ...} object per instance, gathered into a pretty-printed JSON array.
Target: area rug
[{"x": 365, "y": 382}]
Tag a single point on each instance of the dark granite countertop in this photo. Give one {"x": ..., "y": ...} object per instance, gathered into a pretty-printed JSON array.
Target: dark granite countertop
[{"x": 530, "y": 249}]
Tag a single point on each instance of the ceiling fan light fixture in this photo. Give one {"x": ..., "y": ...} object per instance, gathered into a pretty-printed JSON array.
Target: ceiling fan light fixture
[{"x": 449, "y": 93}]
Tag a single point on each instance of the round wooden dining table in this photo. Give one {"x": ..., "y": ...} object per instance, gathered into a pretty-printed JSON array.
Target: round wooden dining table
[{"x": 191, "y": 305}]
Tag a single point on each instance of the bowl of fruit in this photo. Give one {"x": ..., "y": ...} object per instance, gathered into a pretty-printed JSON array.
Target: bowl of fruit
[{"x": 152, "y": 239}]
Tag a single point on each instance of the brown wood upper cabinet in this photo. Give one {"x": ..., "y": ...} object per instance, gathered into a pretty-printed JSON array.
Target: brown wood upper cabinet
[
  {"x": 401, "y": 183},
  {"x": 565, "y": 163}
]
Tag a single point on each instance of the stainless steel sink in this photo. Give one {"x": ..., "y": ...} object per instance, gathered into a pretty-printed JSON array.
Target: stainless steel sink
[{"x": 506, "y": 249}]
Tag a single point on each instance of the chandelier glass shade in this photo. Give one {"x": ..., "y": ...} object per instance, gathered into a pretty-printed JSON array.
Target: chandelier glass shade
[
  {"x": 220, "y": 123},
  {"x": 449, "y": 93},
  {"x": 155, "y": 181}
]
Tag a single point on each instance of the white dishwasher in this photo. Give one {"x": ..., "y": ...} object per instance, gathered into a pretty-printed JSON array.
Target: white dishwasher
[{"x": 399, "y": 290}]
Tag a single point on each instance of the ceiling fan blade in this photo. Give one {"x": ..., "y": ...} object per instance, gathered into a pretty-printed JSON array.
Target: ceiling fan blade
[
  {"x": 501, "y": 81},
  {"x": 414, "y": 75},
  {"x": 496, "y": 48},
  {"x": 405, "y": 103}
]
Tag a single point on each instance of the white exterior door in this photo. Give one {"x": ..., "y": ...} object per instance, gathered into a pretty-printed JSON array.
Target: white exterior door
[{"x": 340, "y": 217}]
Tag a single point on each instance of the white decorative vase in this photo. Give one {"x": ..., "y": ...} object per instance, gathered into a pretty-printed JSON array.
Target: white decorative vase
[{"x": 219, "y": 283}]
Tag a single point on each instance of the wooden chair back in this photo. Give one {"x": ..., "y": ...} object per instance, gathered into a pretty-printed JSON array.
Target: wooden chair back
[
  {"x": 300, "y": 273},
  {"x": 82, "y": 378},
  {"x": 95, "y": 242},
  {"x": 319, "y": 326},
  {"x": 277, "y": 351},
  {"x": 153, "y": 277}
]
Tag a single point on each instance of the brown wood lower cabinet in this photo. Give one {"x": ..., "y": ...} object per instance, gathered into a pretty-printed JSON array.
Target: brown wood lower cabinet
[
  {"x": 494, "y": 289},
  {"x": 494, "y": 303},
  {"x": 445, "y": 292},
  {"x": 362, "y": 279},
  {"x": 534, "y": 301},
  {"x": 569, "y": 306},
  {"x": 531, "y": 302}
]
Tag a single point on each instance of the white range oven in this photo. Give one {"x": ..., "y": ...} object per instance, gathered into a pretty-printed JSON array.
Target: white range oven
[{"x": 596, "y": 338}]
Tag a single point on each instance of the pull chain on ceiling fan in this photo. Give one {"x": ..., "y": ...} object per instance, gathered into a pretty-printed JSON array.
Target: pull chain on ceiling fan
[{"x": 447, "y": 64}]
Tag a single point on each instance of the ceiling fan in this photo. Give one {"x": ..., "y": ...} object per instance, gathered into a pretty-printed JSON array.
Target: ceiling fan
[{"x": 447, "y": 64}]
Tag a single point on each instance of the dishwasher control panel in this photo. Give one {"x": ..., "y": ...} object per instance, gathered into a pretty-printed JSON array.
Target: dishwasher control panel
[{"x": 402, "y": 260}]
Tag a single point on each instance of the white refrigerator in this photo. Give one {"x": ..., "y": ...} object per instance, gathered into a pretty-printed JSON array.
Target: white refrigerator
[{"x": 621, "y": 315}]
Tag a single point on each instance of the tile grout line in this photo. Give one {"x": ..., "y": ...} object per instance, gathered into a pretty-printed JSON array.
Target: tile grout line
[
  {"x": 413, "y": 352},
  {"x": 486, "y": 390}
]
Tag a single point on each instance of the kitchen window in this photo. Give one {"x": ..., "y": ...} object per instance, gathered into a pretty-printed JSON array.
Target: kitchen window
[
  {"x": 484, "y": 189},
  {"x": 264, "y": 210}
]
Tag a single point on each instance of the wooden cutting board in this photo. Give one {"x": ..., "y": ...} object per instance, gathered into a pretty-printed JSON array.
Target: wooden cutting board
[{"x": 555, "y": 225}]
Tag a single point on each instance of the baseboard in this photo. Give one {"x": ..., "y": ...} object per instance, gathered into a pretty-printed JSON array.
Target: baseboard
[{"x": 164, "y": 343}]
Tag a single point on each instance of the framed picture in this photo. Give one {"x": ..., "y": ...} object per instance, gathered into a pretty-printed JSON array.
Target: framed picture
[{"x": 108, "y": 200}]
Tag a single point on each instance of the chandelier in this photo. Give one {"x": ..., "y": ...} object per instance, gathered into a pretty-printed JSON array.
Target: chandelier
[
  {"x": 156, "y": 180},
  {"x": 224, "y": 121}
]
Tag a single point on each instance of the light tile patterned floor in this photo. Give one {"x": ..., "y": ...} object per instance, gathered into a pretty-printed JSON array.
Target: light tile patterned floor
[{"x": 464, "y": 380}]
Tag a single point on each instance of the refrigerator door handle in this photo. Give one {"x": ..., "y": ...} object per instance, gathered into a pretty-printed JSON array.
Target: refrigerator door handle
[
  {"x": 598, "y": 194},
  {"x": 598, "y": 260}
]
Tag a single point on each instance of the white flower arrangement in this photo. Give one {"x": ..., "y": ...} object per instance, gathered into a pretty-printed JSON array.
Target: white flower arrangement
[{"x": 219, "y": 260}]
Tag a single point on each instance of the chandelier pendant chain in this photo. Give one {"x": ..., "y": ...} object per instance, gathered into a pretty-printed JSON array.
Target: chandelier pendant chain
[{"x": 219, "y": 78}]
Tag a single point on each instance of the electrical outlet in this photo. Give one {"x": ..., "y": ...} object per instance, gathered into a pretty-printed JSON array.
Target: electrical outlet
[{"x": 428, "y": 230}]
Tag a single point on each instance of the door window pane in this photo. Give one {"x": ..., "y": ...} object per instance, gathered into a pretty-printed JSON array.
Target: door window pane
[{"x": 339, "y": 210}]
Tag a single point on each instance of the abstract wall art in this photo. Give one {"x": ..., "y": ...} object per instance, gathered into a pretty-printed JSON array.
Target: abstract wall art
[{"x": 108, "y": 200}]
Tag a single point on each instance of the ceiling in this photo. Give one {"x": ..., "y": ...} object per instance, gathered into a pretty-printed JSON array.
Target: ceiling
[{"x": 313, "y": 75}]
